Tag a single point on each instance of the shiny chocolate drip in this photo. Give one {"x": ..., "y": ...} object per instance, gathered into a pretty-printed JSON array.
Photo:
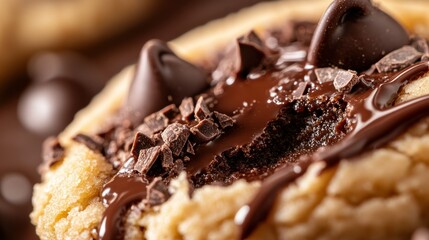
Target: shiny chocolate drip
[
  {"x": 376, "y": 123},
  {"x": 162, "y": 78},
  {"x": 122, "y": 190},
  {"x": 354, "y": 34}
]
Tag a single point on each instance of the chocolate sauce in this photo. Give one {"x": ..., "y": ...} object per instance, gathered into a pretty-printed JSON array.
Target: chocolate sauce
[{"x": 354, "y": 34}]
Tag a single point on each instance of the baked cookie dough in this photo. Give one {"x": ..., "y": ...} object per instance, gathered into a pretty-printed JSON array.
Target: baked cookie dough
[{"x": 377, "y": 193}]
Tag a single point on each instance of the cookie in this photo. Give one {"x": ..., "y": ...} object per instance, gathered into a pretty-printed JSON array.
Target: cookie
[
  {"x": 294, "y": 130},
  {"x": 50, "y": 25}
]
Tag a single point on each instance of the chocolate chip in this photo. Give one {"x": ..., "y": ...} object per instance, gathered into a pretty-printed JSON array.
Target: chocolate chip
[
  {"x": 250, "y": 53},
  {"x": 167, "y": 157},
  {"x": 223, "y": 120},
  {"x": 94, "y": 143},
  {"x": 157, "y": 193},
  {"x": 162, "y": 78},
  {"x": 146, "y": 159},
  {"x": 398, "y": 59},
  {"x": 141, "y": 141},
  {"x": 156, "y": 122},
  {"x": 299, "y": 91},
  {"x": 345, "y": 80},
  {"x": 206, "y": 130},
  {"x": 325, "y": 74},
  {"x": 201, "y": 109},
  {"x": 169, "y": 111},
  {"x": 187, "y": 108},
  {"x": 190, "y": 148},
  {"x": 175, "y": 136}
]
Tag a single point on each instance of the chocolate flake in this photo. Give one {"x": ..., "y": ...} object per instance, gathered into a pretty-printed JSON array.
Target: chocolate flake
[
  {"x": 325, "y": 74},
  {"x": 205, "y": 131},
  {"x": 398, "y": 59},
  {"x": 53, "y": 152},
  {"x": 187, "y": 108},
  {"x": 156, "y": 122},
  {"x": 167, "y": 157},
  {"x": 146, "y": 159},
  {"x": 345, "y": 80},
  {"x": 157, "y": 193},
  {"x": 190, "y": 148},
  {"x": 141, "y": 141},
  {"x": 223, "y": 120},
  {"x": 251, "y": 53},
  {"x": 94, "y": 143},
  {"x": 299, "y": 91},
  {"x": 175, "y": 136},
  {"x": 201, "y": 110}
]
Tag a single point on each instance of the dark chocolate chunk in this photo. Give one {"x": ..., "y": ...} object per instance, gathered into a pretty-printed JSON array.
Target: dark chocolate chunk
[
  {"x": 169, "y": 111},
  {"x": 354, "y": 34},
  {"x": 345, "y": 80},
  {"x": 52, "y": 153},
  {"x": 187, "y": 108},
  {"x": 146, "y": 159},
  {"x": 299, "y": 91},
  {"x": 141, "y": 141},
  {"x": 250, "y": 53},
  {"x": 398, "y": 59},
  {"x": 47, "y": 107},
  {"x": 201, "y": 109},
  {"x": 156, "y": 122},
  {"x": 325, "y": 74},
  {"x": 190, "y": 148},
  {"x": 157, "y": 193},
  {"x": 223, "y": 120},
  {"x": 167, "y": 157},
  {"x": 162, "y": 78},
  {"x": 205, "y": 131},
  {"x": 175, "y": 136},
  {"x": 94, "y": 143}
]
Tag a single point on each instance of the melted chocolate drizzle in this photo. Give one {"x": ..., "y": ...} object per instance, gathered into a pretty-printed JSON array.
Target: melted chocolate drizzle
[
  {"x": 354, "y": 34},
  {"x": 376, "y": 123}
]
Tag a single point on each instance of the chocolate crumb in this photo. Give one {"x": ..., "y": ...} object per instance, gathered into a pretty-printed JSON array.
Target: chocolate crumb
[
  {"x": 205, "y": 131},
  {"x": 345, "y": 80},
  {"x": 190, "y": 148},
  {"x": 175, "y": 136},
  {"x": 157, "y": 193},
  {"x": 52, "y": 153},
  {"x": 156, "y": 122},
  {"x": 167, "y": 157},
  {"x": 398, "y": 59},
  {"x": 146, "y": 159},
  {"x": 141, "y": 141},
  {"x": 299, "y": 91},
  {"x": 94, "y": 143},
  {"x": 325, "y": 74},
  {"x": 223, "y": 120},
  {"x": 187, "y": 108},
  {"x": 201, "y": 109}
]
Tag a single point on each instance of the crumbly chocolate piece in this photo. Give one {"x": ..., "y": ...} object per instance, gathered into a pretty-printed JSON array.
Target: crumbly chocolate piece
[
  {"x": 157, "y": 193},
  {"x": 345, "y": 80},
  {"x": 299, "y": 91},
  {"x": 52, "y": 153},
  {"x": 398, "y": 59},
  {"x": 187, "y": 108},
  {"x": 141, "y": 141},
  {"x": 146, "y": 159},
  {"x": 156, "y": 122},
  {"x": 94, "y": 143},
  {"x": 325, "y": 74},
  {"x": 223, "y": 120},
  {"x": 201, "y": 110},
  {"x": 175, "y": 136},
  {"x": 167, "y": 157},
  {"x": 251, "y": 53},
  {"x": 205, "y": 131}
]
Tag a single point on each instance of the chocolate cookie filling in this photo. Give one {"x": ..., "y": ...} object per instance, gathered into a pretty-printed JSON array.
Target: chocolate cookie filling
[{"x": 271, "y": 106}]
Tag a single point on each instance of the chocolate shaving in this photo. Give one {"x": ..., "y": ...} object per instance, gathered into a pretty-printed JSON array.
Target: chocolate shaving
[
  {"x": 325, "y": 74},
  {"x": 175, "y": 136},
  {"x": 146, "y": 159},
  {"x": 398, "y": 59},
  {"x": 157, "y": 193},
  {"x": 167, "y": 157},
  {"x": 94, "y": 143},
  {"x": 205, "y": 131},
  {"x": 141, "y": 141},
  {"x": 190, "y": 148},
  {"x": 52, "y": 153},
  {"x": 345, "y": 80},
  {"x": 156, "y": 122},
  {"x": 299, "y": 91},
  {"x": 250, "y": 53},
  {"x": 187, "y": 108},
  {"x": 223, "y": 120},
  {"x": 201, "y": 110}
]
